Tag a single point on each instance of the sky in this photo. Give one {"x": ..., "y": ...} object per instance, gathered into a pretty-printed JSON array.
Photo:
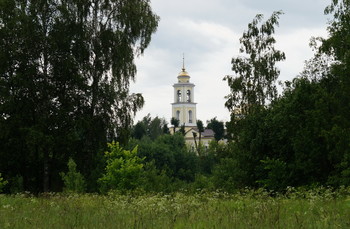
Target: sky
[{"x": 207, "y": 33}]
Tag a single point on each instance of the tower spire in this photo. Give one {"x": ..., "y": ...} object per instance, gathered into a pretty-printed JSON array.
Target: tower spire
[{"x": 183, "y": 62}]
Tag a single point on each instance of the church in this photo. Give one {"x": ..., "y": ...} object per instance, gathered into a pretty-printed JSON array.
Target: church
[{"x": 184, "y": 110}]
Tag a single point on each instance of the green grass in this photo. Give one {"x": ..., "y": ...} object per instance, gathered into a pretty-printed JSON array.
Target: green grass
[{"x": 247, "y": 209}]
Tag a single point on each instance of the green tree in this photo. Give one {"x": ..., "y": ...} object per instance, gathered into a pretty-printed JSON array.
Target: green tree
[
  {"x": 139, "y": 130},
  {"x": 194, "y": 134},
  {"x": 151, "y": 127},
  {"x": 73, "y": 180},
  {"x": 252, "y": 87},
  {"x": 217, "y": 127},
  {"x": 165, "y": 128},
  {"x": 64, "y": 82},
  {"x": 256, "y": 73},
  {"x": 123, "y": 171},
  {"x": 334, "y": 89},
  {"x": 200, "y": 128},
  {"x": 156, "y": 127},
  {"x": 175, "y": 122},
  {"x": 182, "y": 130}
]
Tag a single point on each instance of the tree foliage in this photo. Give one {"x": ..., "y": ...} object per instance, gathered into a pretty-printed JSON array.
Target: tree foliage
[
  {"x": 150, "y": 127},
  {"x": 217, "y": 127},
  {"x": 175, "y": 123},
  {"x": 123, "y": 170},
  {"x": 64, "y": 93},
  {"x": 200, "y": 127},
  {"x": 302, "y": 137},
  {"x": 255, "y": 74},
  {"x": 64, "y": 82},
  {"x": 3, "y": 182},
  {"x": 169, "y": 154},
  {"x": 73, "y": 180}
]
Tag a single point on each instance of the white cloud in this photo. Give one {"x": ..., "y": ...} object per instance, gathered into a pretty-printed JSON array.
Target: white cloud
[
  {"x": 208, "y": 33},
  {"x": 295, "y": 44}
]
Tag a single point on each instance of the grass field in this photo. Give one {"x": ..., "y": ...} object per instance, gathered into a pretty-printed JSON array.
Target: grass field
[{"x": 321, "y": 208}]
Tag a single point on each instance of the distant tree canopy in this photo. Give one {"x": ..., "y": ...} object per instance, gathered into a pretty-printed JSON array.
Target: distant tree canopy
[
  {"x": 64, "y": 82},
  {"x": 217, "y": 127},
  {"x": 149, "y": 127}
]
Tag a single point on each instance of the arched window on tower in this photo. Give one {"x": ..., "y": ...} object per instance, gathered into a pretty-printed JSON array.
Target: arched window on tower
[
  {"x": 190, "y": 116},
  {"x": 188, "y": 96},
  {"x": 178, "y": 96},
  {"x": 178, "y": 115}
]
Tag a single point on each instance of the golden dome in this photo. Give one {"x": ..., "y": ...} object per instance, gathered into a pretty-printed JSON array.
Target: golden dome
[{"x": 183, "y": 72}]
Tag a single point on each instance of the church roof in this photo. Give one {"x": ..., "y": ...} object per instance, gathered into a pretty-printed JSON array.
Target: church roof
[{"x": 206, "y": 133}]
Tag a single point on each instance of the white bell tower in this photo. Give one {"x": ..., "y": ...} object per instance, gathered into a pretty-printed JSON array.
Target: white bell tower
[{"x": 184, "y": 107}]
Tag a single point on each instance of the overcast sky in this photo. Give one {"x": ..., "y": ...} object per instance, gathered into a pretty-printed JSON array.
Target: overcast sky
[{"x": 208, "y": 33}]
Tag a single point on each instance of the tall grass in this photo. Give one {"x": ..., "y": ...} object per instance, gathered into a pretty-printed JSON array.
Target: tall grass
[{"x": 319, "y": 208}]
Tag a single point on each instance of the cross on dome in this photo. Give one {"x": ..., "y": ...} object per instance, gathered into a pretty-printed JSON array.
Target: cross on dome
[{"x": 183, "y": 73}]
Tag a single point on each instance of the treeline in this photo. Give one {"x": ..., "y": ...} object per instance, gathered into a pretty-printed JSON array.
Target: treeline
[{"x": 70, "y": 128}]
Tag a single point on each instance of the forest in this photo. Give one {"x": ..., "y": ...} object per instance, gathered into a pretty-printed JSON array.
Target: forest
[{"x": 66, "y": 112}]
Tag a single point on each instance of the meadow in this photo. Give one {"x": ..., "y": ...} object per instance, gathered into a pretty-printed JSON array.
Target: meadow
[{"x": 318, "y": 208}]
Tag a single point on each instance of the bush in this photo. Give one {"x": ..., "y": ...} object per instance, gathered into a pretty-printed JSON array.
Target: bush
[
  {"x": 277, "y": 175},
  {"x": 228, "y": 175},
  {"x": 2, "y": 183},
  {"x": 123, "y": 171}
]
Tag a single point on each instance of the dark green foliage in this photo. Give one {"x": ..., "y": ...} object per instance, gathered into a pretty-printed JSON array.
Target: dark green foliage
[
  {"x": 175, "y": 123},
  {"x": 297, "y": 141},
  {"x": 169, "y": 154},
  {"x": 217, "y": 127},
  {"x": 64, "y": 83},
  {"x": 200, "y": 128},
  {"x": 302, "y": 137},
  {"x": 2, "y": 183},
  {"x": 155, "y": 180},
  {"x": 277, "y": 175},
  {"x": 229, "y": 176},
  {"x": 149, "y": 127},
  {"x": 182, "y": 130},
  {"x": 139, "y": 130},
  {"x": 165, "y": 129}
]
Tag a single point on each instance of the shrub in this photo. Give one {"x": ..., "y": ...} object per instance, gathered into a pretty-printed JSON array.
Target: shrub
[
  {"x": 277, "y": 175},
  {"x": 2, "y": 183},
  {"x": 123, "y": 171}
]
